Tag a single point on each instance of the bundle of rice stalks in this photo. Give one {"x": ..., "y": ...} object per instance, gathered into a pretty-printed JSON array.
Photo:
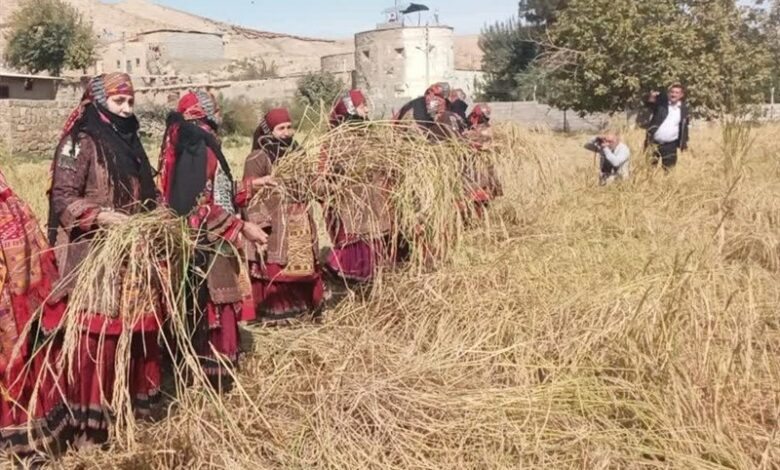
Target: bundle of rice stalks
[
  {"x": 425, "y": 185},
  {"x": 137, "y": 272}
]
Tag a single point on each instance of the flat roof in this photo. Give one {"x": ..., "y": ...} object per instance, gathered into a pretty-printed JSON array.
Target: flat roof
[
  {"x": 390, "y": 27},
  {"x": 24, "y": 75},
  {"x": 336, "y": 55},
  {"x": 173, "y": 30}
]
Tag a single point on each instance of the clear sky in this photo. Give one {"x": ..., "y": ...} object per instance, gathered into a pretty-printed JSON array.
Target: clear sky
[{"x": 340, "y": 18}]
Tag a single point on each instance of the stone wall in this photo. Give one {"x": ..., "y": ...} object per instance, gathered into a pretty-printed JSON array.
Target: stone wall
[
  {"x": 526, "y": 113},
  {"x": 277, "y": 91},
  {"x": 32, "y": 127},
  {"x": 338, "y": 63},
  {"x": 531, "y": 113}
]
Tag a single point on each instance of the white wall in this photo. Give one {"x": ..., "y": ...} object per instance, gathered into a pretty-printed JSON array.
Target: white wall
[
  {"x": 392, "y": 63},
  {"x": 467, "y": 80},
  {"x": 338, "y": 63},
  {"x": 421, "y": 68}
]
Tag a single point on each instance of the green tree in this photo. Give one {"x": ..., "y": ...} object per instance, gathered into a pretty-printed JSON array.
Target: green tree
[
  {"x": 508, "y": 51},
  {"x": 49, "y": 35},
  {"x": 604, "y": 54},
  {"x": 318, "y": 88},
  {"x": 510, "y": 47},
  {"x": 541, "y": 12},
  {"x": 771, "y": 27}
]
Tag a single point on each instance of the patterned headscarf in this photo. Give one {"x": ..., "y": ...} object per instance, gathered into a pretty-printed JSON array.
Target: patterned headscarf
[
  {"x": 480, "y": 115},
  {"x": 346, "y": 106},
  {"x": 199, "y": 104},
  {"x": 98, "y": 90},
  {"x": 440, "y": 89}
]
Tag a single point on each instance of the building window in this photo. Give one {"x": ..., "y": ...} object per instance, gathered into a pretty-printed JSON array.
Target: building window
[
  {"x": 129, "y": 66},
  {"x": 5, "y": 92},
  {"x": 367, "y": 54},
  {"x": 137, "y": 62},
  {"x": 119, "y": 65},
  {"x": 28, "y": 84}
]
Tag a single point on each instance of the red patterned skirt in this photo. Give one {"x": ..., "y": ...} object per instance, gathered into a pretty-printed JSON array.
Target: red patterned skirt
[
  {"x": 93, "y": 372},
  {"x": 220, "y": 354},
  {"x": 355, "y": 259},
  {"x": 280, "y": 298},
  {"x": 33, "y": 415}
]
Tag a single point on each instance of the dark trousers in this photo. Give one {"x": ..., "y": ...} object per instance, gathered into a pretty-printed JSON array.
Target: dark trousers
[{"x": 665, "y": 154}]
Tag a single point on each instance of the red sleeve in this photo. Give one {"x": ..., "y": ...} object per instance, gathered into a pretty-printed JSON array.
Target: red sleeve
[{"x": 243, "y": 192}]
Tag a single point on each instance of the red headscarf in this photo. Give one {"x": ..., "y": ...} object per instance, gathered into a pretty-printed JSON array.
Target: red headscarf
[
  {"x": 346, "y": 106},
  {"x": 197, "y": 105},
  {"x": 193, "y": 106},
  {"x": 275, "y": 117},
  {"x": 480, "y": 115},
  {"x": 272, "y": 118},
  {"x": 98, "y": 90}
]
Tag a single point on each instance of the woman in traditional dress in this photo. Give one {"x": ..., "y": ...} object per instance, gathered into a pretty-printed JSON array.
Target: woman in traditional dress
[
  {"x": 102, "y": 176},
  {"x": 481, "y": 179},
  {"x": 446, "y": 124},
  {"x": 358, "y": 215},
  {"x": 197, "y": 183},
  {"x": 286, "y": 280},
  {"x": 32, "y": 402}
]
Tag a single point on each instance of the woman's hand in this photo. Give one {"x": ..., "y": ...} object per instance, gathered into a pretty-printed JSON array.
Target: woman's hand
[
  {"x": 263, "y": 182},
  {"x": 108, "y": 218},
  {"x": 255, "y": 234}
]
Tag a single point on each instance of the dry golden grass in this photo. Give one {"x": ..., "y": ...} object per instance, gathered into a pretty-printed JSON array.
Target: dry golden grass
[{"x": 630, "y": 326}]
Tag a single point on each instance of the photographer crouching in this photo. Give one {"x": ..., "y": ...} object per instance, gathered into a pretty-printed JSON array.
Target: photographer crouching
[{"x": 613, "y": 157}]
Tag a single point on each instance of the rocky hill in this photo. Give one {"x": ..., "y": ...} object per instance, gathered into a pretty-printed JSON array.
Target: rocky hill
[{"x": 290, "y": 54}]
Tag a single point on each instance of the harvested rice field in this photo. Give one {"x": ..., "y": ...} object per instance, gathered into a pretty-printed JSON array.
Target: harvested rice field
[{"x": 628, "y": 326}]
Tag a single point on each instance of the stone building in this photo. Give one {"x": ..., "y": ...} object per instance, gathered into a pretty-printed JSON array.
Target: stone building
[
  {"x": 401, "y": 61},
  {"x": 342, "y": 66},
  {"x": 164, "y": 52},
  {"x": 18, "y": 86}
]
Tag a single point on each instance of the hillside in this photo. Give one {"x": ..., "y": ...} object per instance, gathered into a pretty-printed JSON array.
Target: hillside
[
  {"x": 468, "y": 55},
  {"x": 291, "y": 54}
]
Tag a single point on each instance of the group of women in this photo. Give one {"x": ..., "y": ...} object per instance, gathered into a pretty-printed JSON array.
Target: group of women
[{"x": 101, "y": 177}]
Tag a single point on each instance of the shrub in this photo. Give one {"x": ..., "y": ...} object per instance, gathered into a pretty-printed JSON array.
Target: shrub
[{"x": 239, "y": 116}]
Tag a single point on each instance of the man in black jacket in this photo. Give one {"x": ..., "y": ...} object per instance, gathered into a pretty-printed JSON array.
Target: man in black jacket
[{"x": 668, "y": 128}]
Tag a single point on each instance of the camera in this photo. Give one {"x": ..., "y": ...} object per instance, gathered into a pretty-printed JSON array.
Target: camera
[{"x": 599, "y": 141}]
